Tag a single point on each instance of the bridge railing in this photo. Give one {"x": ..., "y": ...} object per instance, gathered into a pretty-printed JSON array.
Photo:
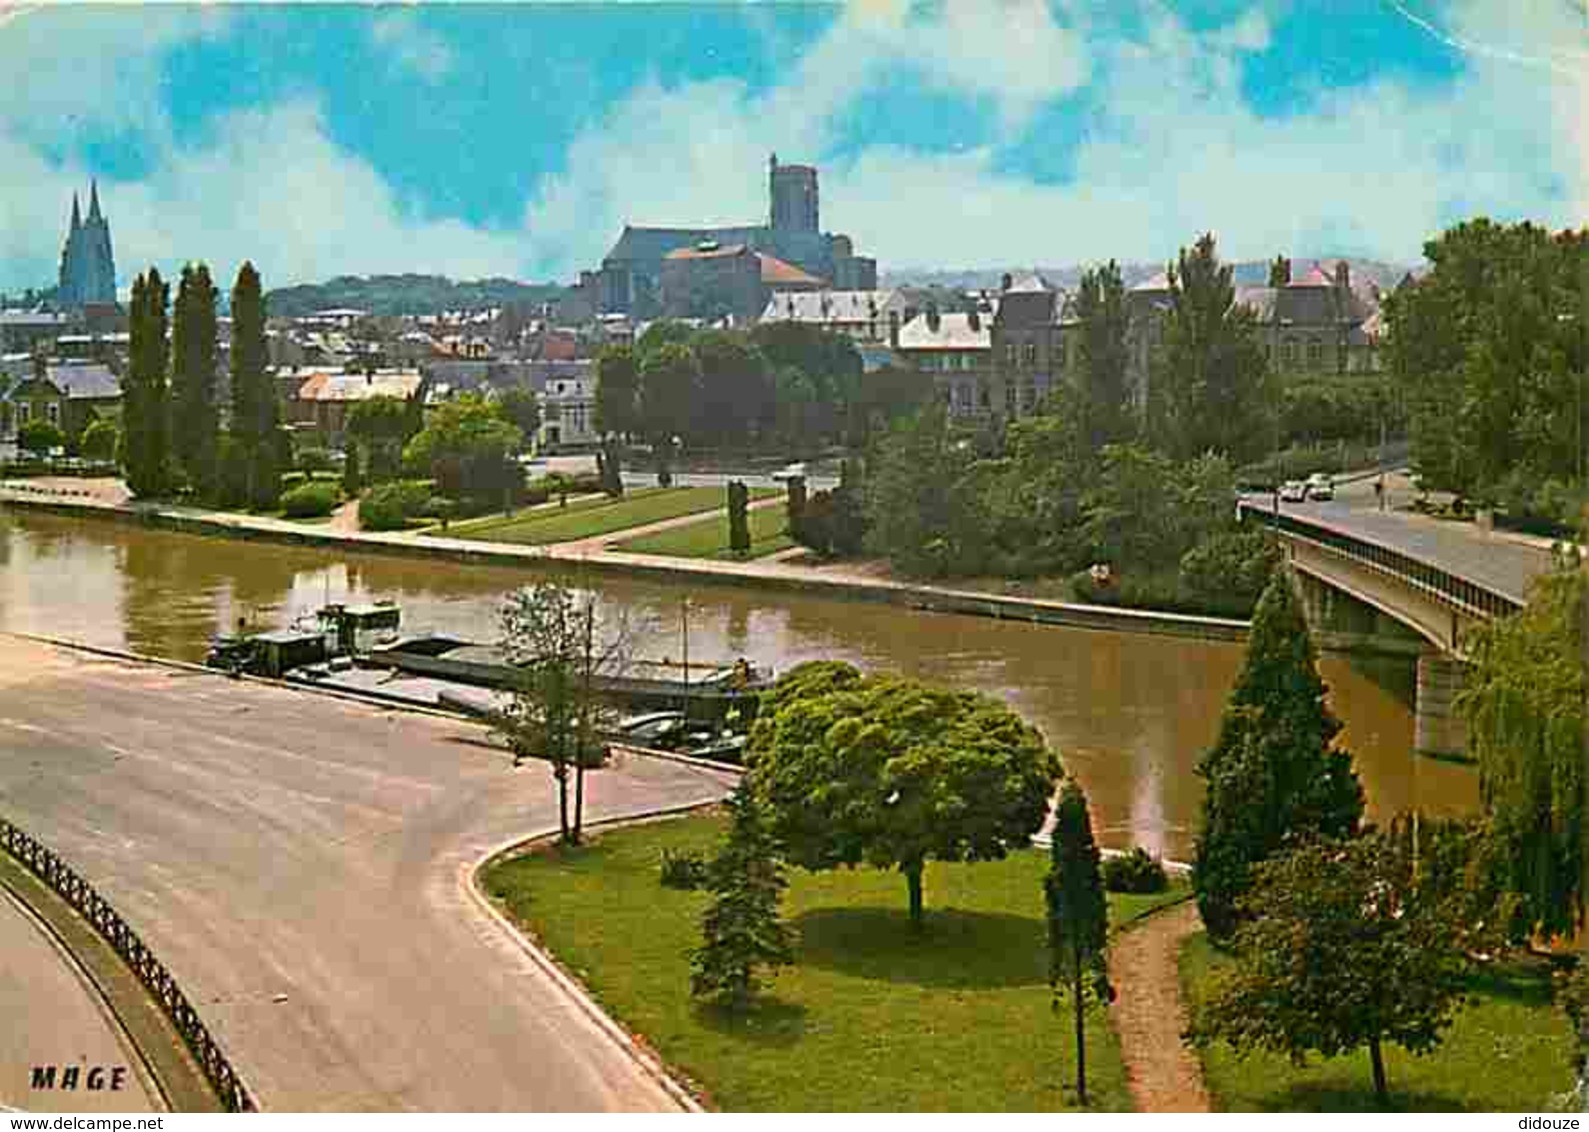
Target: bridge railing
[
  {"x": 1443, "y": 586},
  {"x": 43, "y": 863}
]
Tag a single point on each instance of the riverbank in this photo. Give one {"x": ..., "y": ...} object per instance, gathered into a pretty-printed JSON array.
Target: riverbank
[{"x": 832, "y": 580}]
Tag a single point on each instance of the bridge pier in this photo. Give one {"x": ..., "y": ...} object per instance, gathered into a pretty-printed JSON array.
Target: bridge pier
[{"x": 1438, "y": 727}]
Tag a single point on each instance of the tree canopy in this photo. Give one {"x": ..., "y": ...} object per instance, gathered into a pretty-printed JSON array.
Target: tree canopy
[
  {"x": 146, "y": 392},
  {"x": 890, "y": 772},
  {"x": 1078, "y": 919},
  {"x": 195, "y": 412},
  {"x": 468, "y": 446}
]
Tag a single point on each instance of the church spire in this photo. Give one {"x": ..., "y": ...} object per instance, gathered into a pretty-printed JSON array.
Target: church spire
[
  {"x": 77, "y": 216},
  {"x": 93, "y": 201}
]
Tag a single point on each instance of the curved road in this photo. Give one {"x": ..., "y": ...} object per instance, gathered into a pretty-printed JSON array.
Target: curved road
[{"x": 300, "y": 864}]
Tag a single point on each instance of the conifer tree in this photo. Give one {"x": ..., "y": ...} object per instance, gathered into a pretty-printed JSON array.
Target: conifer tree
[
  {"x": 1078, "y": 919},
  {"x": 1274, "y": 775},
  {"x": 738, "y": 518},
  {"x": 1103, "y": 358},
  {"x": 145, "y": 401},
  {"x": 741, "y": 930},
  {"x": 194, "y": 412},
  {"x": 255, "y": 420}
]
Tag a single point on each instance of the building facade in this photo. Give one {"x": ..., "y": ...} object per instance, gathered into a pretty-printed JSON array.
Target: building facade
[
  {"x": 88, "y": 266},
  {"x": 630, "y": 279},
  {"x": 713, "y": 282},
  {"x": 70, "y": 396},
  {"x": 955, "y": 349}
]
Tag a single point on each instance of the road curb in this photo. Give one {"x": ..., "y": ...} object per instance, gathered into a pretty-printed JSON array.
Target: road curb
[{"x": 645, "y": 1058}]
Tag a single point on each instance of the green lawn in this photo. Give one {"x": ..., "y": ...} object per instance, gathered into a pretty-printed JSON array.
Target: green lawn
[
  {"x": 709, "y": 538},
  {"x": 598, "y": 516},
  {"x": 1510, "y": 1050},
  {"x": 871, "y": 1017}
]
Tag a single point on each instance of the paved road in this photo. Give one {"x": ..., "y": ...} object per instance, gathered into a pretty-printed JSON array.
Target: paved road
[
  {"x": 300, "y": 865},
  {"x": 54, "y": 1017},
  {"x": 1499, "y": 560}
]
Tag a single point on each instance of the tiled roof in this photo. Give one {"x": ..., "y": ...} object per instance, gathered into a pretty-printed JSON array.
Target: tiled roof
[
  {"x": 775, "y": 272},
  {"x": 707, "y": 249},
  {"x": 1314, "y": 278},
  {"x": 827, "y": 306},
  {"x": 1159, "y": 282},
  {"x": 85, "y": 382},
  {"x": 953, "y": 332},
  {"x": 652, "y": 244},
  {"x": 1030, "y": 282},
  {"x": 358, "y": 386}
]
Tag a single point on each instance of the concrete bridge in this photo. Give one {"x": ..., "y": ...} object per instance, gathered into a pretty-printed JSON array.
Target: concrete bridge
[{"x": 1389, "y": 580}]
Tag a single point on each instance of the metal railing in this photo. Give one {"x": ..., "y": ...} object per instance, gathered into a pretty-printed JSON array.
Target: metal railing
[
  {"x": 43, "y": 863},
  {"x": 1447, "y": 588}
]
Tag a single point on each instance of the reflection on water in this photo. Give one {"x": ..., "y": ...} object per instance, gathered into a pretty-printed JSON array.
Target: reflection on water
[{"x": 1129, "y": 714}]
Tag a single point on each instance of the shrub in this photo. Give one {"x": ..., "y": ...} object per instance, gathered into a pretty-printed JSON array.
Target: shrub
[
  {"x": 1136, "y": 871},
  {"x": 309, "y": 500},
  {"x": 1230, "y": 565},
  {"x": 290, "y": 480},
  {"x": 40, "y": 437},
  {"x": 390, "y": 506},
  {"x": 683, "y": 869},
  {"x": 314, "y": 459},
  {"x": 98, "y": 441}
]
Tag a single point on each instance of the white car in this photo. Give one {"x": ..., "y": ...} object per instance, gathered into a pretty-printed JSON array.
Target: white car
[
  {"x": 790, "y": 472},
  {"x": 1294, "y": 491},
  {"x": 1320, "y": 487}
]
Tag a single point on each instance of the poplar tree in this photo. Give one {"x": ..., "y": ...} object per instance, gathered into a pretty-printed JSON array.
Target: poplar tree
[
  {"x": 1078, "y": 920},
  {"x": 194, "y": 411},
  {"x": 255, "y": 420},
  {"x": 145, "y": 400},
  {"x": 1102, "y": 355}
]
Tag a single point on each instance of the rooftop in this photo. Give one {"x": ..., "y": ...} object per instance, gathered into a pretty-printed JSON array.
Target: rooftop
[{"x": 953, "y": 332}]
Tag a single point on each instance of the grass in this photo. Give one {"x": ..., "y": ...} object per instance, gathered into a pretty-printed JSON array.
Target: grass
[
  {"x": 709, "y": 538},
  {"x": 871, "y": 1016},
  {"x": 598, "y": 515},
  {"x": 1510, "y": 1050}
]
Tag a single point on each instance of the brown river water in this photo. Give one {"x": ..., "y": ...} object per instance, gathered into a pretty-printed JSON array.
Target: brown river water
[{"x": 1129, "y": 714}]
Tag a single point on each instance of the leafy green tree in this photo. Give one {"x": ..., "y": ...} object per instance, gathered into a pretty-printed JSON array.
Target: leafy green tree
[
  {"x": 738, "y": 518},
  {"x": 146, "y": 411},
  {"x": 886, "y": 771},
  {"x": 669, "y": 383},
  {"x": 255, "y": 420},
  {"x": 737, "y": 391},
  {"x": 1036, "y": 504},
  {"x": 888, "y": 394},
  {"x": 1210, "y": 389},
  {"x": 195, "y": 411},
  {"x": 1524, "y": 707},
  {"x": 923, "y": 499},
  {"x": 1132, "y": 516},
  {"x": 1274, "y": 776},
  {"x": 1104, "y": 359},
  {"x": 520, "y": 406},
  {"x": 617, "y": 392},
  {"x": 663, "y": 332},
  {"x": 741, "y": 931},
  {"x": 551, "y": 636},
  {"x": 1280, "y": 271},
  {"x": 467, "y": 446},
  {"x": 379, "y": 428},
  {"x": 40, "y": 438},
  {"x": 99, "y": 440},
  {"x": 1341, "y": 947},
  {"x": 1078, "y": 919}
]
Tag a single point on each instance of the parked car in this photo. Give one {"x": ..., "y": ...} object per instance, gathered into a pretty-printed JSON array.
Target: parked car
[
  {"x": 1294, "y": 491},
  {"x": 790, "y": 472},
  {"x": 1320, "y": 487}
]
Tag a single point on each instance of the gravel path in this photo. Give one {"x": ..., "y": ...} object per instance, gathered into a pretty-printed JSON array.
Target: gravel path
[{"x": 1161, "y": 1071}]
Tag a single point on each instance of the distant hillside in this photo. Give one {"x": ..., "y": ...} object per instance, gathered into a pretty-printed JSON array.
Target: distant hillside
[
  {"x": 1248, "y": 273},
  {"x": 406, "y": 294}
]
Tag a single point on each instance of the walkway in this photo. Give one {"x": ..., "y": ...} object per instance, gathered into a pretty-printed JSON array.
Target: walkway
[
  {"x": 1144, "y": 966},
  {"x": 54, "y": 1017}
]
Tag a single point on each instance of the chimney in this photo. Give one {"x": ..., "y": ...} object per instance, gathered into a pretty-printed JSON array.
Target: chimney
[
  {"x": 1005, "y": 281},
  {"x": 933, "y": 319},
  {"x": 974, "y": 320},
  {"x": 893, "y": 330},
  {"x": 1343, "y": 275}
]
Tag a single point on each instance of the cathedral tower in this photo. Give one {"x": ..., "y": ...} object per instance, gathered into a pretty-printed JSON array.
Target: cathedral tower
[{"x": 88, "y": 266}]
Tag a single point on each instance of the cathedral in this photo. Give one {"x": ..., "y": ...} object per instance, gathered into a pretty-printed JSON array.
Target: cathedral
[{"x": 88, "y": 269}]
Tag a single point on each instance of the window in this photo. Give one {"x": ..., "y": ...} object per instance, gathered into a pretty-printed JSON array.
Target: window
[
  {"x": 1009, "y": 398},
  {"x": 1029, "y": 353},
  {"x": 52, "y": 412},
  {"x": 1315, "y": 353},
  {"x": 1288, "y": 352},
  {"x": 24, "y": 413},
  {"x": 1009, "y": 354}
]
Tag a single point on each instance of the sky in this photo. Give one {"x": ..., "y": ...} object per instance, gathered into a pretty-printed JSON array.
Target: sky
[{"x": 474, "y": 140}]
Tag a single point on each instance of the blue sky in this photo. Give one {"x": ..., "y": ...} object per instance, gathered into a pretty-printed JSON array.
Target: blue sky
[{"x": 517, "y": 139}]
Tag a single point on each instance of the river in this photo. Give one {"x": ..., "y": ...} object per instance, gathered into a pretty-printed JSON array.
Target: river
[{"x": 1129, "y": 714}]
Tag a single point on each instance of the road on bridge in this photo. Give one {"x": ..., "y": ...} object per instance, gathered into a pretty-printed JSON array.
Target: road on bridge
[
  {"x": 1501, "y": 561},
  {"x": 300, "y": 864}
]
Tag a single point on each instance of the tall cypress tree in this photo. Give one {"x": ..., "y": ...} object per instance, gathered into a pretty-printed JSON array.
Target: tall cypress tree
[
  {"x": 194, "y": 412},
  {"x": 1274, "y": 775},
  {"x": 255, "y": 420},
  {"x": 146, "y": 407},
  {"x": 1078, "y": 919},
  {"x": 1102, "y": 355}
]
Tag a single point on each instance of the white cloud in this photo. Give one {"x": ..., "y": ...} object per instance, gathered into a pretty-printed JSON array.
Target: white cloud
[{"x": 411, "y": 46}]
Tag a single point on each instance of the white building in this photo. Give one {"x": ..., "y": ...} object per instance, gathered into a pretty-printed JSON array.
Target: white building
[
  {"x": 867, "y": 318},
  {"x": 568, "y": 409}
]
